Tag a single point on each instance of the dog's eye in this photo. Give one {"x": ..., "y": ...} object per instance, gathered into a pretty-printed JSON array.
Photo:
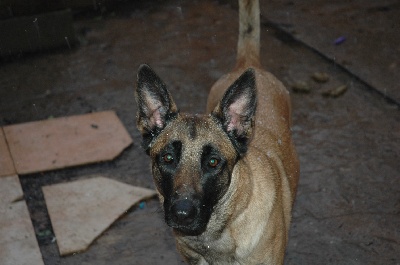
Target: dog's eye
[
  {"x": 168, "y": 158},
  {"x": 213, "y": 162}
]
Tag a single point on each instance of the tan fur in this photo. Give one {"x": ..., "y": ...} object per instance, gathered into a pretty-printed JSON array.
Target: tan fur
[
  {"x": 239, "y": 212},
  {"x": 187, "y": 178},
  {"x": 264, "y": 182},
  {"x": 252, "y": 220}
]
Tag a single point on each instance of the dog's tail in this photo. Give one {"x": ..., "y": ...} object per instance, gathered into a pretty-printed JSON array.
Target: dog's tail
[{"x": 248, "y": 53}]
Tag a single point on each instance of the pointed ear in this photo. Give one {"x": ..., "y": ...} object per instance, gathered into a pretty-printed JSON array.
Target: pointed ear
[
  {"x": 155, "y": 104},
  {"x": 237, "y": 109}
]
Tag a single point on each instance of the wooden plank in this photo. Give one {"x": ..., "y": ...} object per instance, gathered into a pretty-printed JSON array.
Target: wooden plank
[{"x": 68, "y": 141}]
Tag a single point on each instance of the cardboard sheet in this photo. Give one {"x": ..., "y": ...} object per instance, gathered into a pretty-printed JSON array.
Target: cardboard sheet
[
  {"x": 18, "y": 243},
  {"x": 82, "y": 210},
  {"x": 68, "y": 141},
  {"x": 6, "y": 162}
]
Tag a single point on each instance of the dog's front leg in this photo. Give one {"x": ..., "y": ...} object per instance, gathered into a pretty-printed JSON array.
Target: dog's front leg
[
  {"x": 190, "y": 256},
  {"x": 195, "y": 259},
  {"x": 201, "y": 261}
]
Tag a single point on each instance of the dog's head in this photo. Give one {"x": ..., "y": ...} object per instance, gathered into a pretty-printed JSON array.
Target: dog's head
[{"x": 193, "y": 156}]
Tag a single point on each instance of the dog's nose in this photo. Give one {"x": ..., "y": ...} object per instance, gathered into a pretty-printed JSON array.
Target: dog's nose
[{"x": 183, "y": 212}]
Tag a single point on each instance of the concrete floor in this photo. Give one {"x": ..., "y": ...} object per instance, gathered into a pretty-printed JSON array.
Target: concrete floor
[{"x": 347, "y": 209}]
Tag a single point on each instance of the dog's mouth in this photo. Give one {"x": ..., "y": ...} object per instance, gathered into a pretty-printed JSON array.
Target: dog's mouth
[
  {"x": 188, "y": 231},
  {"x": 186, "y": 217}
]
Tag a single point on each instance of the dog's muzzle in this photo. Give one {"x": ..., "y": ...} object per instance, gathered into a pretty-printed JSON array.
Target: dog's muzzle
[
  {"x": 185, "y": 216},
  {"x": 183, "y": 212}
]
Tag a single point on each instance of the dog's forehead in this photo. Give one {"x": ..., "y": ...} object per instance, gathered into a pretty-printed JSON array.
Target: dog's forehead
[
  {"x": 194, "y": 132},
  {"x": 197, "y": 128}
]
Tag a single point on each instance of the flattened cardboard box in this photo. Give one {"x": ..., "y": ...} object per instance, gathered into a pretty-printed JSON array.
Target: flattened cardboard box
[{"x": 68, "y": 141}]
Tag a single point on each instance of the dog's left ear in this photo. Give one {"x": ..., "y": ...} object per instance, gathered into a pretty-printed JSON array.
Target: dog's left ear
[
  {"x": 237, "y": 109},
  {"x": 155, "y": 104}
]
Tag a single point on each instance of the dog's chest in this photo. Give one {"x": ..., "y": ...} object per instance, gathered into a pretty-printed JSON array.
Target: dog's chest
[{"x": 219, "y": 250}]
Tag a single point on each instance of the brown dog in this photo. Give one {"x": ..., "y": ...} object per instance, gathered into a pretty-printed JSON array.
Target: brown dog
[{"x": 226, "y": 180}]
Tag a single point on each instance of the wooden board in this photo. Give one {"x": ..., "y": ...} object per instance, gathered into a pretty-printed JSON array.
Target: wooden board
[{"x": 68, "y": 141}]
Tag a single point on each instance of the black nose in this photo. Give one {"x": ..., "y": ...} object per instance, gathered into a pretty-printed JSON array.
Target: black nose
[{"x": 183, "y": 212}]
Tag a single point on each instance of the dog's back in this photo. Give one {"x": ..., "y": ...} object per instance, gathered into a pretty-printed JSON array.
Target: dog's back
[{"x": 273, "y": 117}]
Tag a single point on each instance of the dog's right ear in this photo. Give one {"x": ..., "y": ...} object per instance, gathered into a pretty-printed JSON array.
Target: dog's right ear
[{"x": 155, "y": 104}]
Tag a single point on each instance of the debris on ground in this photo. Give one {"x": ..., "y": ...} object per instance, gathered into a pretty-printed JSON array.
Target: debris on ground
[
  {"x": 82, "y": 210},
  {"x": 18, "y": 243},
  {"x": 335, "y": 92},
  {"x": 339, "y": 40},
  {"x": 67, "y": 141},
  {"x": 320, "y": 77},
  {"x": 6, "y": 163},
  {"x": 301, "y": 87}
]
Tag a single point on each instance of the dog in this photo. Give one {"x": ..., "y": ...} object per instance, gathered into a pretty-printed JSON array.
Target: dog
[{"x": 227, "y": 179}]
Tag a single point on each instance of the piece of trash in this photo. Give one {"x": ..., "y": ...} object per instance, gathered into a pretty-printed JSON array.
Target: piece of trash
[
  {"x": 17, "y": 238},
  {"x": 335, "y": 92},
  {"x": 142, "y": 205},
  {"x": 301, "y": 87},
  {"x": 80, "y": 211},
  {"x": 320, "y": 77},
  {"x": 75, "y": 140},
  {"x": 10, "y": 190},
  {"x": 339, "y": 40},
  {"x": 6, "y": 162}
]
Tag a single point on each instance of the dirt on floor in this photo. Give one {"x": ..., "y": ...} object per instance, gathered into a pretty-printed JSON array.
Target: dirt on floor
[{"x": 347, "y": 209}]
